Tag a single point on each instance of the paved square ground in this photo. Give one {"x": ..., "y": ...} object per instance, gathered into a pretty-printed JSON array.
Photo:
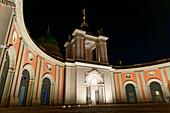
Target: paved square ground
[{"x": 111, "y": 108}]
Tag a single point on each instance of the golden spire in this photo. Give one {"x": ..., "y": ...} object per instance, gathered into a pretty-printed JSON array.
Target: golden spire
[
  {"x": 84, "y": 24},
  {"x": 48, "y": 26}
]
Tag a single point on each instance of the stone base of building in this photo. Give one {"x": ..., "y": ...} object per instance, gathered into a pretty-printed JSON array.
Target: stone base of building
[{"x": 13, "y": 102}]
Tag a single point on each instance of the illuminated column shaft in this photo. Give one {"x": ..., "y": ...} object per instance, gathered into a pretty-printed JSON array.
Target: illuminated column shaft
[
  {"x": 30, "y": 92},
  {"x": 5, "y": 96},
  {"x": 38, "y": 65},
  {"x": 103, "y": 52},
  {"x": 69, "y": 54},
  {"x": 80, "y": 47}
]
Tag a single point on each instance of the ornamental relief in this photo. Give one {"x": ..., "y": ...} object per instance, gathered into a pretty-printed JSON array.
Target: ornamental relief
[
  {"x": 49, "y": 67},
  {"x": 94, "y": 74},
  {"x": 8, "y": 3},
  {"x": 94, "y": 71},
  {"x": 14, "y": 37},
  {"x": 30, "y": 57},
  {"x": 128, "y": 76},
  {"x": 151, "y": 73}
]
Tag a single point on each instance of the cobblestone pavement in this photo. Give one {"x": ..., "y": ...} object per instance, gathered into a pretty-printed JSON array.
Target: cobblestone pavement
[{"x": 111, "y": 108}]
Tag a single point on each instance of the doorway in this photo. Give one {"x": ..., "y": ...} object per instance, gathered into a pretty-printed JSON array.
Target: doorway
[
  {"x": 24, "y": 88},
  {"x": 95, "y": 92},
  {"x": 93, "y": 95},
  {"x": 156, "y": 92},
  {"x": 45, "y": 92},
  {"x": 131, "y": 93}
]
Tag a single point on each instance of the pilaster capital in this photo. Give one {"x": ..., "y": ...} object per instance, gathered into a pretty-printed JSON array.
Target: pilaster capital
[{"x": 8, "y": 3}]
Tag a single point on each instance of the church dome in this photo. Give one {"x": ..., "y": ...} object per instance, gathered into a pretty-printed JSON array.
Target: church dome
[
  {"x": 47, "y": 38},
  {"x": 49, "y": 44}
]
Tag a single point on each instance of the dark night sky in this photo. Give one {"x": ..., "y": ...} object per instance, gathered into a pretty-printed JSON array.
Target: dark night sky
[{"x": 138, "y": 32}]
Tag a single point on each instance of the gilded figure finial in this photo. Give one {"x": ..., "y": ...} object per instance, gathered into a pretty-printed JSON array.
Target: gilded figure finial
[{"x": 84, "y": 24}]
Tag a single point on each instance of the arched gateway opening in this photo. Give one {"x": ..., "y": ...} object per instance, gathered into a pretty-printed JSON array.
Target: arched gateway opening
[
  {"x": 156, "y": 92},
  {"x": 94, "y": 88}
]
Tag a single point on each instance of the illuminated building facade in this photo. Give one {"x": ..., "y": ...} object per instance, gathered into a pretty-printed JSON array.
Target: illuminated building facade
[{"x": 29, "y": 76}]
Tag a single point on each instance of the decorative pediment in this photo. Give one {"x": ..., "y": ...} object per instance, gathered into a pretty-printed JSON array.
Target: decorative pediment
[
  {"x": 94, "y": 78},
  {"x": 94, "y": 71}
]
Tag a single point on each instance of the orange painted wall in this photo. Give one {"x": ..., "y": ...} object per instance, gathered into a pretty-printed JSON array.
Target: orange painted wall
[
  {"x": 128, "y": 79},
  {"x": 52, "y": 72},
  {"x": 16, "y": 46},
  {"x": 118, "y": 87},
  {"x": 0, "y": 7},
  {"x": 158, "y": 75},
  {"x": 26, "y": 61}
]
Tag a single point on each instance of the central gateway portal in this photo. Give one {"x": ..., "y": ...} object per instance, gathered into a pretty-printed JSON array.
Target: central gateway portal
[{"x": 95, "y": 88}]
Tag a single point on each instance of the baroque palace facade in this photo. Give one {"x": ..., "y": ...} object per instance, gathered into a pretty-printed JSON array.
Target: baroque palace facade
[{"x": 29, "y": 76}]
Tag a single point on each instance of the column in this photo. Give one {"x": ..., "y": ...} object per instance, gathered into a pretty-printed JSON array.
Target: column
[
  {"x": 30, "y": 92},
  {"x": 7, "y": 87},
  {"x": 122, "y": 90},
  {"x": 69, "y": 54},
  {"x": 103, "y": 52},
  {"x": 104, "y": 94},
  {"x": 51, "y": 100},
  {"x": 38, "y": 65},
  {"x": 80, "y": 47},
  {"x": 70, "y": 85},
  {"x": 39, "y": 86},
  {"x": 18, "y": 65},
  {"x": 113, "y": 87},
  {"x": 100, "y": 94},
  {"x": 145, "y": 88},
  {"x": 139, "y": 89},
  {"x": 60, "y": 86},
  {"x": 165, "y": 88},
  {"x": 56, "y": 84},
  {"x": 100, "y": 52},
  {"x": 116, "y": 86}
]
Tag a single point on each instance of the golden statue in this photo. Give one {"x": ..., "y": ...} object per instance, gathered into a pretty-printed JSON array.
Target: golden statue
[{"x": 84, "y": 24}]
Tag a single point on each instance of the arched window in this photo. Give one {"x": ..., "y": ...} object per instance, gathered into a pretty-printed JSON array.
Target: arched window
[
  {"x": 131, "y": 93},
  {"x": 156, "y": 92}
]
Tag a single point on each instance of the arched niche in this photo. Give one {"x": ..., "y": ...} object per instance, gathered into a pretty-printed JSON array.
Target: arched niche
[
  {"x": 47, "y": 89},
  {"x": 26, "y": 82}
]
